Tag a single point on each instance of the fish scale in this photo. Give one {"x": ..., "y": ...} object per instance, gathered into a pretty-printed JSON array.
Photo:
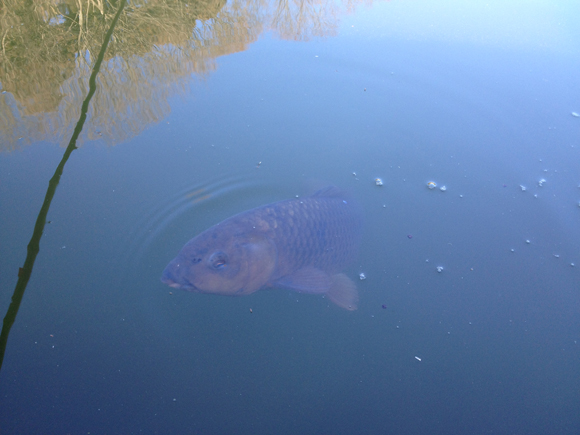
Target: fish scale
[{"x": 324, "y": 231}]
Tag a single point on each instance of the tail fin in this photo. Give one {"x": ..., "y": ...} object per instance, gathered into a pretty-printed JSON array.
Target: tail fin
[{"x": 343, "y": 292}]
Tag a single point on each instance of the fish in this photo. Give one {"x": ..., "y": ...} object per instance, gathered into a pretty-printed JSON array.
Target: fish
[{"x": 300, "y": 244}]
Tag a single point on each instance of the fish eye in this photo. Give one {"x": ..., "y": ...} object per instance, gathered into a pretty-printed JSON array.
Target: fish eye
[{"x": 218, "y": 260}]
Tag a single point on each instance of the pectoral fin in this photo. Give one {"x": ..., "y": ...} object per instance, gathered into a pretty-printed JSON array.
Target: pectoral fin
[
  {"x": 343, "y": 292},
  {"x": 339, "y": 288},
  {"x": 306, "y": 280}
]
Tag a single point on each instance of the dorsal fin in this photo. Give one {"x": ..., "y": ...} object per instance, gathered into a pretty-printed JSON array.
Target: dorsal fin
[{"x": 329, "y": 192}]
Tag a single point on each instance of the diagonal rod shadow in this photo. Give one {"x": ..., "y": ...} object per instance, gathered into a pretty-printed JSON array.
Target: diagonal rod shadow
[{"x": 33, "y": 248}]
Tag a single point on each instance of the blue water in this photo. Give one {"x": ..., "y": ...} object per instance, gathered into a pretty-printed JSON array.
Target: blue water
[{"x": 476, "y": 98}]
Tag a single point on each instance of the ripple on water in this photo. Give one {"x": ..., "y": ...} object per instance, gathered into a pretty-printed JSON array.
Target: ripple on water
[
  {"x": 159, "y": 226},
  {"x": 158, "y": 235}
]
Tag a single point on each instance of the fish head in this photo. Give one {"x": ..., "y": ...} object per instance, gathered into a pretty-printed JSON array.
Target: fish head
[{"x": 221, "y": 262}]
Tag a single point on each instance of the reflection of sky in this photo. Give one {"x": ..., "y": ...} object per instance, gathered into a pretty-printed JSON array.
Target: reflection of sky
[
  {"x": 520, "y": 23},
  {"x": 56, "y": 20}
]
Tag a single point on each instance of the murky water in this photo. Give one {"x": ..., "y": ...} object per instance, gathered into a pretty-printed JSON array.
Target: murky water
[{"x": 468, "y": 320}]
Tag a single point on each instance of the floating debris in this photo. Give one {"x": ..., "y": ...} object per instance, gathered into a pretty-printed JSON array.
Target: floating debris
[
  {"x": 384, "y": 307},
  {"x": 417, "y": 358},
  {"x": 575, "y": 115},
  {"x": 409, "y": 236},
  {"x": 528, "y": 241},
  {"x": 378, "y": 182},
  {"x": 512, "y": 250},
  {"x": 541, "y": 182},
  {"x": 443, "y": 188},
  {"x": 523, "y": 187},
  {"x": 431, "y": 185},
  {"x": 557, "y": 255},
  {"x": 439, "y": 269},
  {"x": 362, "y": 276}
]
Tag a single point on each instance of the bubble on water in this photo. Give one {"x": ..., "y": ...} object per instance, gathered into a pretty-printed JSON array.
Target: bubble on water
[
  {"x": 378, "y": 182},
  {"x": 528, "y": 241},
  {"x": 541, "y": 182},
  {"x": 512, "y": 250},
  {"x": 362, "y": 276},
  {"x": 439, "y": 269},
  {"x": 443, "y": 188},
  {"x": 431, "y": 185},
  {"x": 576, "y": 115},
  {"x": 523, "y": 187}
]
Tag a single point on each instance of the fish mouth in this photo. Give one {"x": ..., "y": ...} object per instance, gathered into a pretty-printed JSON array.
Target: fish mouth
[
  {"x": 187, "y": 286},
  {"x": 173, "y": 284}
]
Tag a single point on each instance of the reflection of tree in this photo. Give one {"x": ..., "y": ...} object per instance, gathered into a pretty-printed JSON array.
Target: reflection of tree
[
  {"x": 46, "y": 60},
  {"x": 47, "y": 47},
  {"x": 305, "y": 19},
  {"x": 33, "y": 247}
]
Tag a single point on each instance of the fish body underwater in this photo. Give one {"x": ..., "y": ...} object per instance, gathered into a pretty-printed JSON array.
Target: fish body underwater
[{"x": 298, "y": 244}]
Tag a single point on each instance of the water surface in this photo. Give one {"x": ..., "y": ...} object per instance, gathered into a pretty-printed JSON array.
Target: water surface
[{"x": 203, "y": 112}]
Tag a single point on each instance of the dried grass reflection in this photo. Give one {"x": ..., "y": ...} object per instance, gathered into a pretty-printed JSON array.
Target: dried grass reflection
[
  {"x": 48, "y": 45},
  {"x": 302, "y": 20}
]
